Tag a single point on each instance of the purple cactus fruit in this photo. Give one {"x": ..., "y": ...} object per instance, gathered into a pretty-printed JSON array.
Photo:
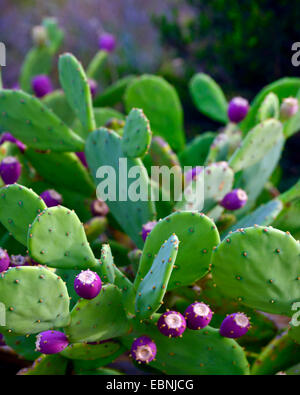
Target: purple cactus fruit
[
  {"x": 51, "y": 198},
  {"x": 238, "y": 109},
  {"x": 171, "y": 324},
  {"x": 192, "y": 174},
  {"x": 107, "y": 42},
  {"x": 143, "y": 349},
  {"x": 18, "y": 260},
  {"x": 93, "y": 87},
  {"x": 288, "y": 108},
  {"x": 2, "y": 342},
  {"x": 51, "y": 342},
  {"x": 4, "y": 260},
  {"x": 146, "y": 229},
  {"x": 87, "y": 284},
  {"x": 41, "y": 85},
  {"x": 6, "y": 136},
  {"x": 81, "y": 156},
  {"x": 99, "y": 208},
  {"x": 234, "y": 200},
  {"x": 10, "y": 170},
  {"x": 198, "y": 316},
  {"x": 235, "y": 325}
]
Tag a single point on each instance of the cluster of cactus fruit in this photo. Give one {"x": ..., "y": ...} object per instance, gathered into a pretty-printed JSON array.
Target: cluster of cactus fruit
[{"x": 83, "y": 281}]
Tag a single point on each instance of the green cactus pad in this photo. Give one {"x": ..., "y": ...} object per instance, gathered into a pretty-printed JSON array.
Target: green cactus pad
[
  {"x": 161, "y": 105},
  {"x": 294, "y": 331},
  {"x": 197, "y": 235},
  {"x": 203, "y": 352},
  {"x": 84, "y": 351},
  {"x": 269, "y": 108},
  {"x": 209, "y": 97},
  {"x": 57, "y": 102},
  {"x": 137, "y": 134},
  {"x": 278, "y": 355},
  {"x": 35, "y": 300},
  {"x": 104, "y": 148},
  {"x": 107, "y": 264},
  {"x": 81, "y": 366},
  {"x": 258, "y": 141},
  {"x": 75, "y": 85},
  {"x": 19, "y": 206},
  {"x": 98, "y": 319},
  {"x": 152, "y": 289},
  {"x": 128, "y": 292},
  {"x": 57, "y": 239},
  {"x": 195, "y": 153},
  {"x": 38, "y": 61},
  {"x": 33, "y": 123},
  {"x": 259, "y": 267},
  {"x": 24, "y": 346},
  {"x": 46, "y": 365},
  {"x": 59, "y": 169},
  {"x": 293, "y": 371}
]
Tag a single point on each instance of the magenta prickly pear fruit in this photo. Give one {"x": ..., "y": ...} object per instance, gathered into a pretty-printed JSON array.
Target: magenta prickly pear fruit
[
  {"x": 81, "y": 156},
  {"x": 99, "y": 208},
  {"x": 87, "y": 284},
  {"x": 235, "y": 325},
  {"x": 146, "y": 229},
  {"x": 51, "y": 198},
  {"x": 288, "y": 108},
  {"x": 4, "y": 260},
  {"x": 93, "y": 87},
  {"x": 143, "y": 349},
  {"x": 238, "y": 109},
  {"x": 9, "y": 137},
  {"x": 234, "y": 200},
  {"x": 51, "y": 342},
  {"x": 2, "y": 342},
  {"x": 10, "y": 170},
  {"x": 192, "y": 174},
  {"x": 18, "y": 260},
  {"x": 107, "y": 42},
  {"x": 171, "y": 324},
  {"x": 41, "y": 85},
  {"x": 198, "y": 316}
]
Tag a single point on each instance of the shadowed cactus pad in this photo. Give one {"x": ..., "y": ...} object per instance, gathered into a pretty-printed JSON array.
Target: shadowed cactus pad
[
  {"x": 36, "y": 300},
  {"x": 57, "y": 239},
  {"x": 259, "y": 267},
  {"x": 197, "y": 235}
]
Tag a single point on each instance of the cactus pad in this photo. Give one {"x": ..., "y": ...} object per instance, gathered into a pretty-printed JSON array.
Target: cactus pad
[
  {"x": 107, "y": 265},
  {"x": 259, "y": 267},
  {"x": 36, "y": 300},
  {"x": 137, "y": 134},
  {"x": 19, "y": 206},
  {"x": 197, "y": 235},
  {"x": 85, "y": 351}
]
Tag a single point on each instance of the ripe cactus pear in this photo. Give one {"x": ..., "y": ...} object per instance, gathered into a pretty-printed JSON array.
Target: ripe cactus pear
[
  {"x": 18, "y": 260},
  {"x": 143, "y": 349},
  {"x": 51, "y": 342},
  {"x": 288, "y": 108},
  {"x": 81, "y": 156},
  {"x": 41, "y": 85},
  {"x": 87, "y": 284},
  {"x": 93, "y": 87},
  {"x": 6, "y": 136},
  {"x": 107, "y": 42},
  {"x": 235, "y": 325},
  {"x": 234, "y": 200},
  {"x": 51, "y": 198},
  {"x": 10, "y": 170},
  {"x": 171, "y": 324},
  {"x": 238, "y": 109},
  {"x": 146, "y": 229},
  {"x": 4, "y": 260},
  {"x": 99, "y": 208},
  {"x": 198, "y": 316}
]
